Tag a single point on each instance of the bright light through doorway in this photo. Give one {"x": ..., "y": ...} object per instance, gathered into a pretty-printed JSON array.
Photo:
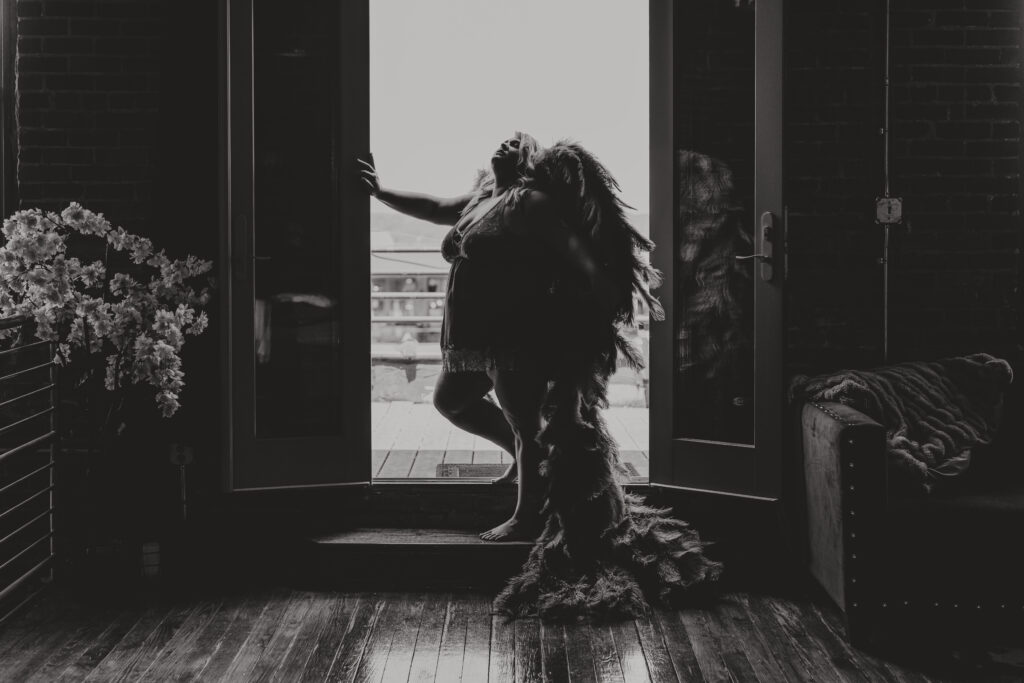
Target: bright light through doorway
[{"x": 449, "y": 80}]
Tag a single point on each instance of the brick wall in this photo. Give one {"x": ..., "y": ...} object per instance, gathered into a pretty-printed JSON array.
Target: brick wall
[
  {"x": 88, "y": 79},
  {"x": 956, "y": 160}
]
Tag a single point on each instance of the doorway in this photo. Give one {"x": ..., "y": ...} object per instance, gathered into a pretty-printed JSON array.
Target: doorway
[{"x": 445, "y": 88}]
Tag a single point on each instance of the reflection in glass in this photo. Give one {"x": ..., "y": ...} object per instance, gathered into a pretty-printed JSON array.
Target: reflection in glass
[
  {"x": 295, "y": 227},
  {"x": 714, "y": 297}
]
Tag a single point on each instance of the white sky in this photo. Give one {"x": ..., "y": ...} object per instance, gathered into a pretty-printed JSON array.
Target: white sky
[{"x": 451, "y": 79}]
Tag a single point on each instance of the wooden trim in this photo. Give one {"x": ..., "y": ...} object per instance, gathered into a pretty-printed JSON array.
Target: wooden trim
[
  {"x": 8, "y": 114},
  {"x": 662, "y": 184},
  {"x": 768, "y": 197}
]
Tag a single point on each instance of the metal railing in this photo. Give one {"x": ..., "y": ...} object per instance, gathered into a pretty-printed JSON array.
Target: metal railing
[
  {"x": 27, "y": 444},
  {"x": 398, "y": 358}
]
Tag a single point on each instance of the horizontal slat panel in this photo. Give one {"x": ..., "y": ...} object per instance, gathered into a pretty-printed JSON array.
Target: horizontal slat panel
[
  {"x": 26, "y": 479},
  {"x": 23, "y": 347},
  {"x": 19, "y": 373},
  {"x": 14, "y": 508},
  {"x": 28, "y": 394},
  {"x": 25, "y": 446},
  {"x": 41, "y": 413}
]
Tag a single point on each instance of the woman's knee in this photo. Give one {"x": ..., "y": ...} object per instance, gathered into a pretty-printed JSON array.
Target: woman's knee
[{"x": 453, "y": 393}]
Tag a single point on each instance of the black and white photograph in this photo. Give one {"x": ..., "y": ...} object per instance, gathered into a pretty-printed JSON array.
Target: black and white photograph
[{"x": 512, "y": 340}]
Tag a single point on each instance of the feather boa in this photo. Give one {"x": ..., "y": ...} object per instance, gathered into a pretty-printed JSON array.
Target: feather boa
[{"x": 602, "y": 554}]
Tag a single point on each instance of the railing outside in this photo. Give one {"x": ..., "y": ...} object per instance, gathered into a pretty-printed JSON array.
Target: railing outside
[
  {"x": 27, "y": 444},
  {"x": 412, "y": 441}
]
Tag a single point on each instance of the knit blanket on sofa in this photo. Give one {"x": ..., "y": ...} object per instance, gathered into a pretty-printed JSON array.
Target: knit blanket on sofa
[{"x": 934, "y": 412}]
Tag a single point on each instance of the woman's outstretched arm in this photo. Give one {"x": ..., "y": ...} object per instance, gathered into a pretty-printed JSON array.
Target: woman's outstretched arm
[{"x": 444, "y": 211}]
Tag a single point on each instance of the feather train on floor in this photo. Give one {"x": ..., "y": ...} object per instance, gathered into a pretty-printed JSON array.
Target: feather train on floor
[{"x": 602, "y": 554}]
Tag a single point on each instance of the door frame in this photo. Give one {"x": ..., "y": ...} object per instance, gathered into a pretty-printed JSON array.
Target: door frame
[{"x": 691, "y": 464}]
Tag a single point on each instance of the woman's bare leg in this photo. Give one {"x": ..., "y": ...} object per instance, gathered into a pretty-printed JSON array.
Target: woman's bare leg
[
  {"x": 521, "y": 395},
  {"x": 459, "y": 396}
]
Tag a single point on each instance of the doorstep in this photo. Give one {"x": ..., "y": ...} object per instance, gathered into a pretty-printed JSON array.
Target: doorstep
[{"x": 400, "y": 558}]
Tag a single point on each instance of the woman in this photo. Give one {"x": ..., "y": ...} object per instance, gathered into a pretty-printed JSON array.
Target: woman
[
  {"x": 546, "y": 271},
  {"x": 507, "y": 246}
]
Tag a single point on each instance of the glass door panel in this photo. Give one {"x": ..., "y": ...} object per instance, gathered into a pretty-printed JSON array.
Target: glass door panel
[
  {"x": 716, "y": 215},
  {"x": 297, "y": 273},
  {"x": 714, "y": 293},
  {"x": 297, "y": 118}
]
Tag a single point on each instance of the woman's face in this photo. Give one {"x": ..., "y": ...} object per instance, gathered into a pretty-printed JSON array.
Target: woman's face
[{"x": 506, "y": 157}]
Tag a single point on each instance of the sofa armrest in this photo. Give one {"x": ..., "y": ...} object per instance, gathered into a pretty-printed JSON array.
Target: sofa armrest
[{"x": 846, "y": 493}]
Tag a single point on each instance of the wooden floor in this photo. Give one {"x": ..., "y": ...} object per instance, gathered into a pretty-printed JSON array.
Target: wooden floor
[
  {"x": 411, "y": 439},
  {"x": 286, "y": 635}
]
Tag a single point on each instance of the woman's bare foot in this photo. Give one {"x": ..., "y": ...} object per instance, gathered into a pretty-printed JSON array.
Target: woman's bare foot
[
  {"x": 511, "y": 476},
  {"x": 514, "y": 529}
]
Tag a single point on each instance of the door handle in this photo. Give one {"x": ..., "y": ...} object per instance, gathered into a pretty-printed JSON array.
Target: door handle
[{"x": 765, "y": 257}]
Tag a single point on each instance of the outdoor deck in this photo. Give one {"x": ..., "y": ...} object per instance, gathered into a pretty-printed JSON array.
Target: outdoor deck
[{"x": 411, "y": 440}]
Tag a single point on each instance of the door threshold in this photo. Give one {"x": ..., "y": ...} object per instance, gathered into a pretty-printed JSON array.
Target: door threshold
[{"x": 474, "y": 483}]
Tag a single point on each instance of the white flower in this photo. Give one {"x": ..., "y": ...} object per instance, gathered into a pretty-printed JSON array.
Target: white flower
[{"x": 140, "y": 327}]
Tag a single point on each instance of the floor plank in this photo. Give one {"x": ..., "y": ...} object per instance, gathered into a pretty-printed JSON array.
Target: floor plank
[
  {"x": 705, "y": 649},
  {"x": 763, "y": 660},
  {"x": 175, "y": 652},
  {"x": 414, "y": 424},
  {"x": 383, "y": 438},
  {"x": 100, "y": 646},
  {"x": 652, "y": 641},
  {"x": 281, "y": 642},
  {"x": 684, "y": 661},
  {"x": 791, "y": 618},
  {"x": 807, "y": 665},
  {"x": 374, "y": 655},
  {"x": 320, "y": 615},
  {"x": 352, "y": 646},
  {"x": 452, "y": 649},
  {"x": 130, "y": 663},
  {"x": 44, "y": 657},
  {"x": 527, "y": 665},
  {"x": 56, "y": 659},
  {"x": 606, "y": 658},
  {"x": 213, "y": 637},
  {"x": 397, "y": 465},
  {"x": 731, "y": 649},
  {"x": 554, "y": 663},
  {"x": 403, "y": 644},
  {"x": 427, "y": 651},
  {"x": 485, "y": 453},
  {"x": 502, "y": 666},
  {"x": 238, "y": 661},
  {"x": 225, "y": 636},
  {"x": 476, "y": 658},
  {"x": 579, "y": 653},
  {"x": 425, "y": 464},
  {"x": 631, "y": 654}
]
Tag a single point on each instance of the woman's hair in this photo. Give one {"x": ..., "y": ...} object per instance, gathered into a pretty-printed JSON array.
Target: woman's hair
[{"x": 484, "y": 185}]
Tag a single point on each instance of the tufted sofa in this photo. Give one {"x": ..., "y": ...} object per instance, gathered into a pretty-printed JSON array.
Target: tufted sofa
[{"x": 899, "y": 562}]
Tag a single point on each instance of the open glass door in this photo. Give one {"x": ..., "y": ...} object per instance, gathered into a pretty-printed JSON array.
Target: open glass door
[
  {"x": 717, "y": 218},
  {"x": 296, "y": 118}
]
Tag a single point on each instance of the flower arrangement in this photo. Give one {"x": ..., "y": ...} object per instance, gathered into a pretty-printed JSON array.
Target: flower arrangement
[{"x": 138, "y": 317}]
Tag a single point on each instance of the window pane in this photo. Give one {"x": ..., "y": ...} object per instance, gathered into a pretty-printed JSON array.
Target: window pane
[
  {"x": 714, "y": 292},
  {"x": 295, "y": 226}
]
